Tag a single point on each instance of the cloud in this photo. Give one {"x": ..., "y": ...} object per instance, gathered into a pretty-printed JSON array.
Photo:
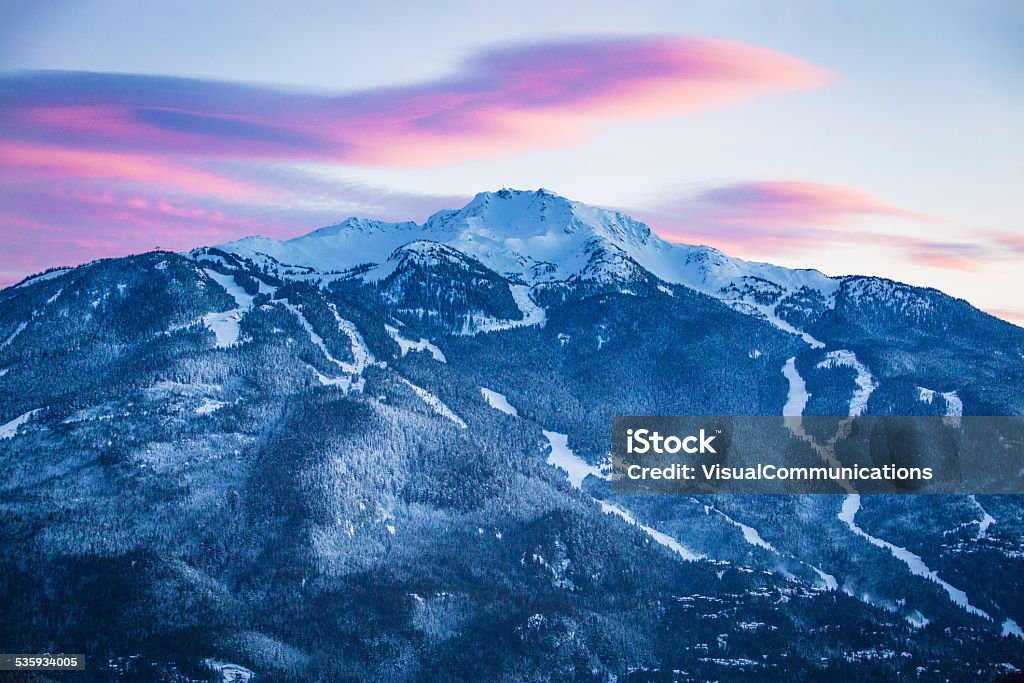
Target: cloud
[
  {"x": 794, "y": 203},
  {"x": 763, "y": 218},
  {"x": 67, "y": 223},
  {"x": 500, "y": 101},
  {"x": 102, "y": 164},
  {"x": 47, "y": 163},
  {"x": 1012, "y": 243}
]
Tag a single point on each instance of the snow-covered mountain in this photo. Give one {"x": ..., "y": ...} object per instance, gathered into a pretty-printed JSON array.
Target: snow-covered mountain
[
  {"x": 538, "y": 237},
  {"x": 379, "y": 452}
]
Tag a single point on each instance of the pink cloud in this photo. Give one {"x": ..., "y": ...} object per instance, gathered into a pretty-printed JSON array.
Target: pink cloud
[
  {"x": 115, "y": 163},
  {"x": 1012, "y": 243},
  {"x": 758, "y": 219},
  {"x": 794, "y": 203},
  {"x": 50, "y": 164},
  {"x": 73, "y": 221},
  {"x": 501, "y": 101},
  {"x": 556, "y": 94}
]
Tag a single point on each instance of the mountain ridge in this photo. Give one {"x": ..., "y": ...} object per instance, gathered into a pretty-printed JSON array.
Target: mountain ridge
[{"x": 372, "y": 465}]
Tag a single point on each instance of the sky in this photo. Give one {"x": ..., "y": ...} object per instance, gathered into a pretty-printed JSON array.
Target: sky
[{"x": 871, "y": 138}]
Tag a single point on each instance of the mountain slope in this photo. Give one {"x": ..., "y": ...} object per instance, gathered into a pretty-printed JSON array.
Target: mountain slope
[
  {"x": 537, "y": 237},
  {"x": 376, "y": 452}
]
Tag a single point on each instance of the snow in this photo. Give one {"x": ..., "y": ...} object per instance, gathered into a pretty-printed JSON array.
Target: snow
[
  {"x": 750, "y": 535},
  {"x": 225, "y": 327},
  {"x": 796, "y": 399},
  {"x": 866, "y": 384},
  {"x": 241, "y": 297},
  {"x": 346, "y": 383},
  {"x": 55, "y": 296},
  {"x": 208, "y": 406},
  {"x": 498, "y": 402},
  {"x": 796, "y": 402},
  {"x": 225, "y": 324},
  {"x": 17, "y": 330},
  {"x": 532, "y": 313},
  {"x": 360, "y": 353},
  {"x": 986, "y": 520},
  {"x": 1010, "y": 628},
  {"x": 848, "y": 513},
  {"x": 10, "y": 429},
  {"x": 954, "y": 406},
  {"x": 754, "y": 538},
  {"x": 576, "y": 468},
  {"x": 408, "y": 345},
  {"x": 768, "y": 313},
  {"x": 229, "y": 671},
  {"x": 337, "y": 247},
  {"x": 361, "y": 356},
  {"x": 830, "y": 581},
  {"x": 435, "y": 403},
  {"x": 665, "y": 290},
  {"x": 917, "y": 620},
  {"x": 4, "y": 371},
  {"x": 44, "y": 277},
  {"x": 535, "y": 237},
  {"x": 659, "y": 537}
]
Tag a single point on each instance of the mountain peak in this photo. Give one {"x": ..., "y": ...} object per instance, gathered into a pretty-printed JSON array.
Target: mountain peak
[
  {"x": 536, "y": 226},
  {"x": 356, "y": 224},
  {"x": 534, "y": 237},
  {"x": 510, "y": 209}
]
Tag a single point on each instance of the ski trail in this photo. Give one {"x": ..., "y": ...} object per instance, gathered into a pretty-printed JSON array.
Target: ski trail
[
  {"x": 796, "y": 399},
  {"x": 768, "y": 312},
  {"x": 317, "y": 340},
  {"x": 407, "y": 345},
  {"x": 866, "y": 384},
  {"x": 10, "y": 429},
  {"x": 434, "y": 402},
  {"x": 532, "y": 313},
  {"x": 831, "y": 583},
  {"x": 577, "y": 469},
  {"x": 750, "y": 534},
  {"x": 657, "y": 536},
  {"x": 986, "y": 520},
  {"x": 361, "y": 356},
  {"x": 225, "y": 323},
  {"x": 851, "y": 505},
  {"x": 793, "y": 411},
  {"x": 1010, "y": 628},
  {"x": 499, "y": 402},
  {"x": 753, "y": 537},
  {"x": 10, "y": 339}
]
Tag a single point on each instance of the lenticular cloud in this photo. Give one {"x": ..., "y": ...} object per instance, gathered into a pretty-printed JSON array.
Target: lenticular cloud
[{"x": 499, "y": 101}]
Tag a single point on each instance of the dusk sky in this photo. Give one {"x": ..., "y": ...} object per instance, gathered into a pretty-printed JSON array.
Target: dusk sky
[{"x": 860, "y": 137}]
